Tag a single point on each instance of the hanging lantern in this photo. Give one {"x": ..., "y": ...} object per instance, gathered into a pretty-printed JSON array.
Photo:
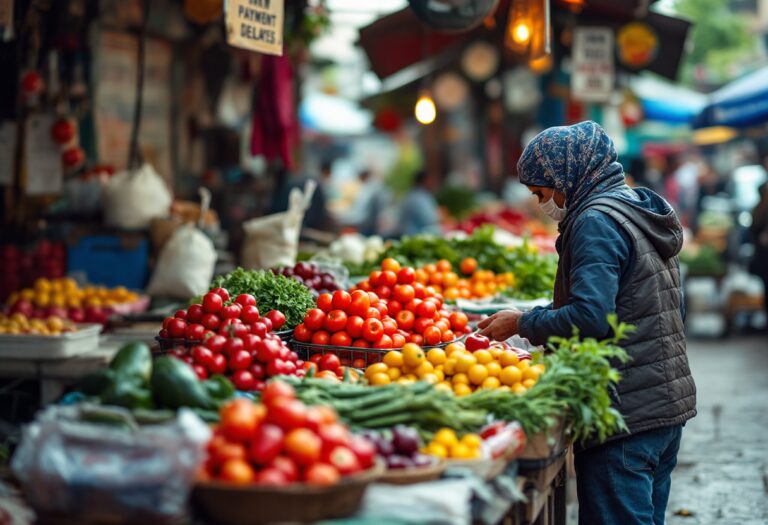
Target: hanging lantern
[
  {"x": 31, "y": 83},
  {"x": 73, "y": 157},
  {"x": 63, "y": 131},
  {"x": 425, "y": 110},
  {"x": 519, "y": 27}
]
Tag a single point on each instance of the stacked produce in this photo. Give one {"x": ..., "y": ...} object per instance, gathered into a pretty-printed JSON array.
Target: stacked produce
[
  {"x": 233, "y": 338},
  {"x": 446, "y": 444},
  {"x": 282, "y": 441},
  {"x": 64, "y": 298},
  {"x": 459, "y": 368},
  {"x": 309, "y": 275},
  {"x": 20, "y": 268},
  {"x": 17, "y": 323},
  {"x": 400, "y": 448},
  {"x": 399, "y": 311},
  {"x": 271, "y": 292},
  {"x": 472, "y": 284}
]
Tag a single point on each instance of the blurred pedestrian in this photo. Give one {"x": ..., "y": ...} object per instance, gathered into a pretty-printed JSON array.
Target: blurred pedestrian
[
  {"x": 368, "y": 204},
  {"x": 418, "y": 211},
  {"x": 618, "y": 251},
  {"x": 759, "y": 231}
]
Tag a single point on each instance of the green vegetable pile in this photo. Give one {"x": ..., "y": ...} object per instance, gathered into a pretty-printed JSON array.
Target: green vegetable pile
[
  {"x": 272, "y": 292},
  {"x": 704, "y": 261},
  {"x": 153, "y": 390},
  {"x": 577, "y": 383}
]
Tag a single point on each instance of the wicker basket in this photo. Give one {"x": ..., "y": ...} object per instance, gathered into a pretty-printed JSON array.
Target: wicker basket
[
  {"x": 410, "y": 476},
  {"x": 225, "y": 504}
]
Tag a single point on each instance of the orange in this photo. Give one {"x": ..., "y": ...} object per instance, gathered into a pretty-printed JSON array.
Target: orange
[
  {"x": 461, "y": 389},
  {"x": 436, "y": 356},
  {"x": 483, "y": 356},
  {"x": 376, "y": 368},
  {"x": 508, "y": 358},
  {"x": 393, "y": 359},
  {"x": 443, "y": 266},
  {"x": 510, "y": 375},
  {"x": 479, "y": 290},
  {"x": 460, "y": 379},
  {"x": 390, "y": 264},
  {"x": 477, "y": 374},
  {"x": 468, "y": 265},
  {"x": 451, "y": 293},
  {"x": 421, "y": 276},
  {"x": 379, "y": 378},
  {"x": 413, "y": 355},
  {"x": 464, "y": 362},
  {"x": 450, "y": 279},
  {"x": 494, "y": 369},
  {"x": 430, "y": 268},
  {"x": 491, "y": 383}
]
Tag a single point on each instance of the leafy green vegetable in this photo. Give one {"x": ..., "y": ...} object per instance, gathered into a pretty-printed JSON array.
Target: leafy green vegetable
[{"x": 272, "y": 292}]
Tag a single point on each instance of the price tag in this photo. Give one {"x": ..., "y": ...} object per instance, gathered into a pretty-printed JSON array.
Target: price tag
[
  {"x": 7, "y": 150},
  {"x": 256, "y": 25},
  {"x": 43, "y": 157}
]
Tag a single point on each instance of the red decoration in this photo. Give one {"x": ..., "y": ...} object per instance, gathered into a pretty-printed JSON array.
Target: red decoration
[
  {"x": 63, "y": 131},
  {"x": 31, "y": 83},
  {"x": 388, "y": 120},
  {"x": 73, "y": 157}
]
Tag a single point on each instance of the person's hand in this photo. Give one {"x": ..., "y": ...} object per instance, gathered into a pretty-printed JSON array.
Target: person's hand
[{"x": 501, "y": 325}]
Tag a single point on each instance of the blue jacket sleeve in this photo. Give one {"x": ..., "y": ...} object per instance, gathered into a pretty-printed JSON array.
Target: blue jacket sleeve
[{"x": 600, "y": 252}]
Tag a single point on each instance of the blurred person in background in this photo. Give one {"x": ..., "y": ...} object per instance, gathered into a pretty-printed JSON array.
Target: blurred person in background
[
  {"x": 317, "y": 215},
  {"x": 759, "y": 231},
  {"x": 687, "y": 177},
  {"x": 418, "y": 211},
  {"x": 710, "y": 184},
  {"x": 368, "y": 204}
]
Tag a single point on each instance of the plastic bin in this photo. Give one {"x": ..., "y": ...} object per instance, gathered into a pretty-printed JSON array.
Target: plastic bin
[{"x": 111, "y": 260}]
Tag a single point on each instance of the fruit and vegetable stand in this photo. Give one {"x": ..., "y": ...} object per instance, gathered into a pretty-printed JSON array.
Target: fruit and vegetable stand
[{"x": 279, "y": 396}]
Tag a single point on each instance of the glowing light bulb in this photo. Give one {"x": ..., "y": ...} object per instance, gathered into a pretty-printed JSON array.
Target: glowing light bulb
[
  {"x": 521, "y": 33},
  {"x": 425, "y": 110}
]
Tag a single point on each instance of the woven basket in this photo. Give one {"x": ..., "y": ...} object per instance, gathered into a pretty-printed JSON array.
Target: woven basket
[
  {"x": 410, "y": 476},
  {"x": 226, "y": 504}
]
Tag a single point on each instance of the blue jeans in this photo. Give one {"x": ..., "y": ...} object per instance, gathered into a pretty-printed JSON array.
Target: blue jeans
[{"x": 627, "y": 481}]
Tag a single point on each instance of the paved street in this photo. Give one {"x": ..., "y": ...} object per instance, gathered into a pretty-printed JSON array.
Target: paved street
[{"x": 722, "y": 475}]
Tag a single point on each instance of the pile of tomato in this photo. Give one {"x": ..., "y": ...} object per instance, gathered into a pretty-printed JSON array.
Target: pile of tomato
[
  {"x": 233, "y": 339},
  {"x": 280, "y": 441}
]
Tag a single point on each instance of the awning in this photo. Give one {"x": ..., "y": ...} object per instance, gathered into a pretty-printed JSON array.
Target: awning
[
  {"x": 742, "y": 103},
  {"x": 665, "y": 102}
]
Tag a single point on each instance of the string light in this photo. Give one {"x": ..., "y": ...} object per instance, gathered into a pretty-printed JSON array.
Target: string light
[{"x": 425, "y": 110}]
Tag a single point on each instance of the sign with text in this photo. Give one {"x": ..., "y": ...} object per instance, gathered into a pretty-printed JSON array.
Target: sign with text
[
  {"x": 592, "y": 77},
  {"x": 256, "y": 25}
]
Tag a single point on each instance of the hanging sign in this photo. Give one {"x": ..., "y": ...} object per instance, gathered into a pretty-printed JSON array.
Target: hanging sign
[
  {"x": 43, "y": 157},
  {"x": 637, "y": 44},
  {"x": 592, "y": 77},
  {"x": 256, "y": 25}
]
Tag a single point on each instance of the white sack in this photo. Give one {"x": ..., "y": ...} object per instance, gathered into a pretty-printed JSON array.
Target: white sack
[{"x": 133, "y": 198}]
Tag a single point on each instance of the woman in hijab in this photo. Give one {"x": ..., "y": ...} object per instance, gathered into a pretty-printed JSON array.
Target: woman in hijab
[{"x": 618, "y": 253}]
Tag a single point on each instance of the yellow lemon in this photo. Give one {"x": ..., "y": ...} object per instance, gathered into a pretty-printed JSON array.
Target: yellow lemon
[
  {"x": 523, "y": 365},
  {"x": 491, "y": 383},
  {"x": 510, "y": 375},
  {"x": 444, "y": 387},
  {"x": 494, "y": 369},
  {"x": 393, "y": 359},
  {"x": 451, "y": 348},
  {"x": 460, "y": 389},
  {"x": 446, "y": 437},
  {"x": 460, "y": 379},
  {"x": 376, "y": 368},
  {"x": 436, "y": 356},
  {"x": 465, "y": 362},
  {"x": 379, "y": 378},
  {"x": 460, "y": 451},
  {"x": 477, "y": 374},
  {"x": 504, "y": 388},
  {"x": 413, "y": 354},
  {"x": 483, "y": 356},
  {"x": 394, "y": 373},
  {"x": 439, "y": 374},
  {"x": 528, "y": 383},
  {"x": 449, "y": 367},
  {"x": 436, "y": 449},
  {"x": 509, "y": 358},
  {"x": 539, "y": 367},
  {"x": 425, "y": 368}
]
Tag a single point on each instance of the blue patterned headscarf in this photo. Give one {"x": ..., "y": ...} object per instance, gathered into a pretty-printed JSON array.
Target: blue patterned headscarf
[{"x": 578, "y": 160}]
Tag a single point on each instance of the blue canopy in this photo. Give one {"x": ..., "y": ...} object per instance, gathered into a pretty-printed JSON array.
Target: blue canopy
[
  {"x": 665, "y": 102},
  {"x": 740, "y": 104}
]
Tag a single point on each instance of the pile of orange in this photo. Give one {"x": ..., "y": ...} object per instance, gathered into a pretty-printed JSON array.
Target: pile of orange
[
  {"x": 456, "y": 369},
  {"x": 66, "y": 293},
  {"x": 18, "y": 323},
  {"x": 472, "y": 284}
]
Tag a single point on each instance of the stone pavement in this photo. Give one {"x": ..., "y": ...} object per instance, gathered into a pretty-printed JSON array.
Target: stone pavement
[{"x": 722, "y": 472}]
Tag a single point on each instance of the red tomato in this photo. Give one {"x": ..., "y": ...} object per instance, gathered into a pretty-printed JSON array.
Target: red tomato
[
  {"x": 390, "y": 326},
  {"x": 374, "y": 277},
  {"x": 361, "y": 343},
  {"x": 240, "y": 360},
  {"x": 210, "y": 321},
  {"x": 321, "y": 337},
  {"x": 341, "y": 300},
  {"x": 406, "y": 275},
  {"x": 218, "y": 364},
  {"x": 384, "y": 292},
  {"x": 354, "y": 326},
  {"x": 373, "y": 329},
  {"x": 412, "y": 305},
  {"x": 421, "y": 324},
  {"x": 325, "y": 302},
  {"x": 417, "y": 339},
  {"x": 200, "y": 371},
  {"x": 266, "y": 443},
  {"x": 394, "y": 307},
  {"x": 442, "y": 324},
  {"x": 221, "y": 292},
  {"x": 459, "y": 321},
  {"x": 212, "y": 303},
  {"x": 220, "y": 449},
  {"x": 360, "y": 304},
  {"x": 398, "y": 340},
  {"x": 419, "y": 290},
  {"x": 268, "y": 350},
  {"x": 194, "y": 332},
  {"x": 448, "y": 336},
  {"x": 277, "y": 390},
  {"x": 364, "y": 450},
  {"x": 390, "y": 264},
  {"x": 303, "y": 446},
  {"x": 432, "y": 335},
  {"x": 301, "y": 333},
  {"x": 335, "y": 321},
  {"x": 250, "y": 342},
  {"x": 358, "y": 363},
  {"x": 245, "y": 299},
  {"x": 388, "y": 278},
  {"x": 277, "y": 317},
  {"x": 202, "y": 356},
  {"x": 271, "y": 477},
  {"x": 259, "y": 328},
  {"x": 334, "y": 435},
  {"x": 344, "y": 460},
  {"x": 287, "y": 413},
  {"x": 216, "y": 343},
  {"x": 341, "y": 339},
  {"x": 426, "y": 309},
  {"x": 180, "y": 314},
  {"x": 315, "y": 358},
  {"x": 243, "y": 380},
  {"x": 239, "y": 419},
  {"x": 373, "y": 313},
  {"x": 365, "y": 286},
  {"x": 285, "y": 465},
  {"x": 314, "y": 319},
  {"x": 233, "y": 346},
  {"x": 404, "y": 293},
  {"x": 237, "y": 471},
  {"x": 176, "y": 328},
  {"x": 382, "y": 307},
  {"x": 384, "y": 341},
  {"x": 249, "y": 314},
  {"x": 329, "y": 362},
  {"x": 258, "y": 371},
  {"x": 322, "y": 474},
  {"x": 405, "y": 320},
  {"x": 276, "y": 367},
  {"x": 267, "y": 322},
  {"x": 373, "y": 298}
]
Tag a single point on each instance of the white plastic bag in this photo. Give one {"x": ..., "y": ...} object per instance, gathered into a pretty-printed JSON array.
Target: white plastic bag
[
  {"x": 186, "y": 263},
  {"x": 273, "y": 240},
  {"x": 133, "y": 198}
]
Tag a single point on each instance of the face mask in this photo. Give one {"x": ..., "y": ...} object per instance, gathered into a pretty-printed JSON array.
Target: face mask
[{"x": 553, "y": 210}]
